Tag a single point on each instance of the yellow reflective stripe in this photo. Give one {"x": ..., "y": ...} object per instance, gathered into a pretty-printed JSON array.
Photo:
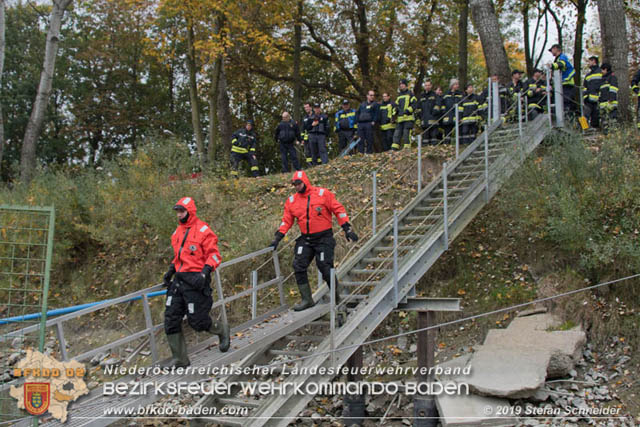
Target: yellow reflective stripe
[
  {"x": 239, "y": 150},
  {"x": 613, "y": 89},
  {"x": 593, "y": 76},
  {"x": 388, "y": 126},
  {"x": 254, "y": 168},
  {"x": 253, "y": 149}
]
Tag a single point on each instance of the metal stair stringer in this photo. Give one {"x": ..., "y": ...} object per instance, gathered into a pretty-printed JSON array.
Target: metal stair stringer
[{"x": 279, "y": 409}]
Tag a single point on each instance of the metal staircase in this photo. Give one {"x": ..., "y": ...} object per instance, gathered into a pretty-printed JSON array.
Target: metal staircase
[{"x": 374, "y": 281}]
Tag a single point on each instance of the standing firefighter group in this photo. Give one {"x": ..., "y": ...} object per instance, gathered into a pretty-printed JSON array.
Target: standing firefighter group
[{"x": 434, "y": 114}]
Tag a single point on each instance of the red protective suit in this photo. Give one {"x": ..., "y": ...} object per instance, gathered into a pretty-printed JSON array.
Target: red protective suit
[
  {"x": 312, "y": 209},
  {"x": 194, "y": 243}
]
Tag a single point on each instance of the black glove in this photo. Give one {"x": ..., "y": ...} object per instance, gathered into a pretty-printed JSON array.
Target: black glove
[
  {"x": 205, "y": 277},
  {"x": 168, "y": 276},
  {"x": 348, "y": 233},
  {"x": 276, "y": 240}
]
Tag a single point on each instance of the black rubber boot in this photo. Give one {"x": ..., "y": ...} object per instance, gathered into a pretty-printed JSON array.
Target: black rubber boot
[
  {"x": 221, "y": 329},
  {"x": 307, "y": 299},
  {"x": 178, "y": 346}
]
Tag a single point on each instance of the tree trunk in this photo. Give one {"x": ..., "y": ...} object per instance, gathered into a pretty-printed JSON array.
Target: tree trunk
[
  {"x": 527, "y": 40},
  {"x": 297, "y": 83},
  {"x": 214, "y": 135},
  {"x": 360, "y": 27},
  {"x": 486, "y": 23},
  {"x": 581, "y": 6},
  {"x": 193, "y": 96},
  {"x": 2, "y": 41},
  {"x": 224, "y": 112},
  {"x": 426, "y": 40},
  {"x": 463, "y": 39},
  {"x": 36, "y": 120},
  {"x": 615, "y": 48}
]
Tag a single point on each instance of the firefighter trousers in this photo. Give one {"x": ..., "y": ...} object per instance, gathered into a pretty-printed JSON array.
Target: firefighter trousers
[{"x": 184, "y": 298}]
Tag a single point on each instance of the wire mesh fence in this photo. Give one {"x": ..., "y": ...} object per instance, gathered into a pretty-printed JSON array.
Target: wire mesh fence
[{"x": 26, "y": 249}]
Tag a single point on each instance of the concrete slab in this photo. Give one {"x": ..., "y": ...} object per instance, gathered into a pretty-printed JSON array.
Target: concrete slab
[
  {"x": 534, "y": 322},
  {"x": 507, "y": 372},
  {"x": 473, "y": 410}
]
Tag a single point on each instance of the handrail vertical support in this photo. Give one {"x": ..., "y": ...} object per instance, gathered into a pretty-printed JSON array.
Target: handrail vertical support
[
  {"x": 486, "y": 164},
  {"x": 221, "y": 295},
  {"x": 254, "y": 294},
  {"x": 548, "y": 90},
  {"x": 520, "y": 115},
  {"x": 63, "y": 343},
  {"x": 375, "y": 203},
  {"x": 489, "y": 101},
  {"x": 395, "y": 257},
  {"x": 445, "y": 206},
  {"x": 495, "y": 89},
  {"x": 276, "y": 266},
  {"x": 526, "y": 109},
  {"x": 333, "y": 316},
  {"x": 457, "y": 131},
  {"x": 581, "y": 103},
  {"x": 558, "y": 98},
  {"x": 419, "y": 162},
  {"x": 149, "y": 325}
]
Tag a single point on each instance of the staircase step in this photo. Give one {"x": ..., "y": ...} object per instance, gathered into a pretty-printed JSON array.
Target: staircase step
[
  {"x": 376, "y": 260},
  {"x": 295, "y": 353},
  {"x": 350, "y": 283},
  {"x": 390, "y": 248},
  {"x": 353, "y": 297},
  {"x": 365, "y": 271},
  {"x": 431, "y": 199},
  {"x": 225, "y": 421},
  {"x": 421, "y": 218},
  {"x": 413, "y": 227},
  {"x": 450, "y": 190},
  {"x": 401, "y": 237}
]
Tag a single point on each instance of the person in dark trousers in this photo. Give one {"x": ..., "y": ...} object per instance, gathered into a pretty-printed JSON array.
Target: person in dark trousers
[
  {"x": 313, "y": 208},
  {"x": 635, "y": 88},
  {"x": 429, "y": 114},
  {"x": 469, "y": 116},
  {"x": 288, "y": 134},
  {"x": 306, "y": 128},
  {"x": 243, "y": 148},
  {"x": 345, "y": 125},
  {"x": 450, "y": 99},
  {"x": 196, "y": 256},
  {"x": 591, "y": 96},
  {"x": 535, "y": 94},
  {"x": 608, "y": 98},
  {"x": 406, "y": 104},
  {"x": 387, "y": 121},
  {"x": 439, "y": 110},
  {"x": 318, "y": 136},
  {"x": 563, "y": 64},
  {"x": 367, "y": 115}
]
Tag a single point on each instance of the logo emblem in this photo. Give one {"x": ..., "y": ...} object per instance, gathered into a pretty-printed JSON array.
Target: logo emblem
[
  {"x": 36, "y": 397},
  {"x": 192, "y": 248}
]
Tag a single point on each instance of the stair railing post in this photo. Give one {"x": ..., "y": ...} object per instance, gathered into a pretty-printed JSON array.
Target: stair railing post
[
  {"x": 395, "y": 257},
  {"x": 375, "y": 203},
  {"x": 526, "y": 109},
  {"x": 457, "y": 131},
  {"x": 419, "y": 162},
  {"x": 254, "y": 294},
  {"x": 333, "y": 316},
  {"x": 581, "y": 103},
  {"x": 489, "y": 101},
  {"x": 319, "y": 278},
  {"x": 486, "y": 165},
  {"x": 445, "y": 213},
  {"x": 520, "y": 115},
  {"x": 549, "y": 99},
  {"x": 495, "y": 89},
  {"x": 558, "y": 98}
]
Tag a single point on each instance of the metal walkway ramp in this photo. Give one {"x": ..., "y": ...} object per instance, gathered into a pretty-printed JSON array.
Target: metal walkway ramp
[{"x": 379, "y": 276}]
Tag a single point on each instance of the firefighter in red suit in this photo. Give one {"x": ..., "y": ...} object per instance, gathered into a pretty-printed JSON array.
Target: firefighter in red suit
[
  {"x": 188, "y": 280},
  {"x": 313, "y": 208}
]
